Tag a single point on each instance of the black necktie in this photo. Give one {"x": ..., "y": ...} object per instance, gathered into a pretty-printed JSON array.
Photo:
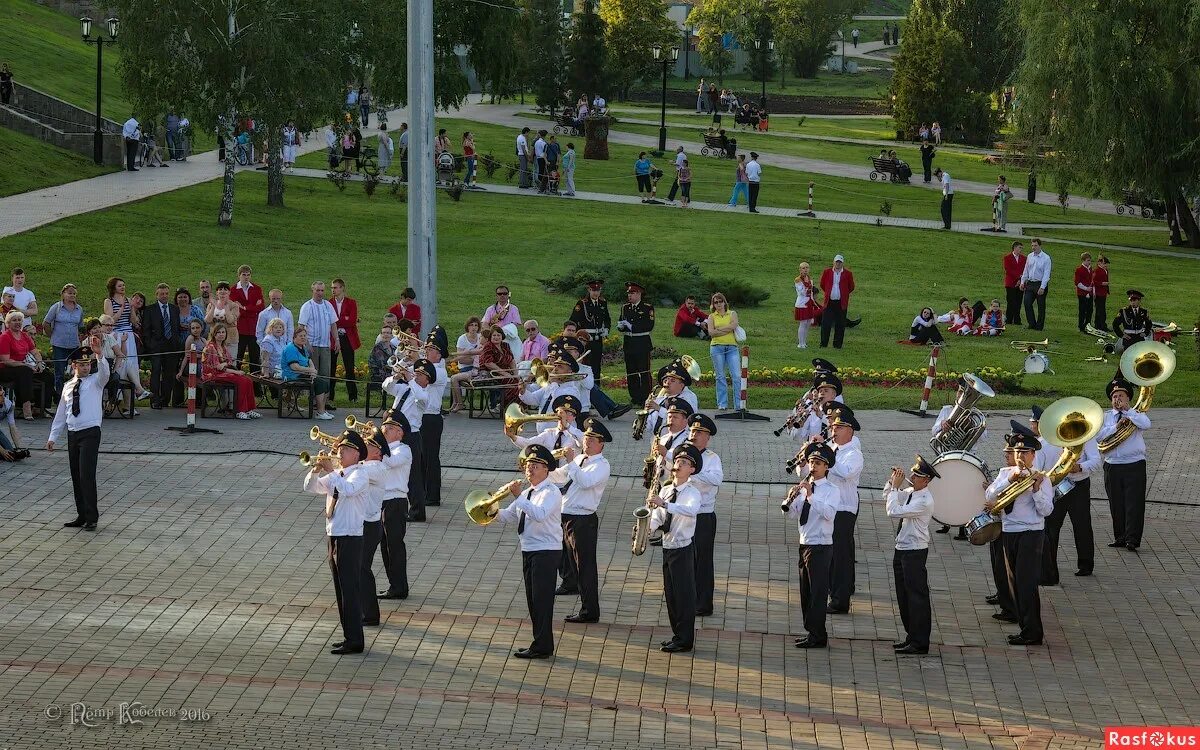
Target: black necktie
[
  {"x": 558, "y": 440},
  {"x": 666, "y": 527},
  {"x": 804, "y": 510},
  {"x": 521, "y": 523},
  {"x": 166, "y": 317},
  {"x": 570, "y": 482},
  {"x": 901, "y": 524},
  {"x": 400, "y": 403},
  {"x": 75, "y": 397}
]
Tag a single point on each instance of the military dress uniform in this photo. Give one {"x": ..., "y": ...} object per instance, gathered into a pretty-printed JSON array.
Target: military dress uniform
[
  {"x": 593, "y": 316},
  {"x": 1133, "y": 325},
  {"x": 914, "y": 510},
  {"x": 676, "y": 370},
  {"x": 583, "y": 482},
  {"x": 844, "y": 476},
  {"x": 677, "y": 520},
  {"x": 394, "y": 551},
  {"x": 707, "y": 482},
  {"x": 636, "y": 322},
  {"x": 814, "y": 516},
  {"x": 1125, "y": 471}
]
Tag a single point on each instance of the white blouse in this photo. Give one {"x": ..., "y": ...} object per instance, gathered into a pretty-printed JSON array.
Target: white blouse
[{"x": 802, "y": 294}]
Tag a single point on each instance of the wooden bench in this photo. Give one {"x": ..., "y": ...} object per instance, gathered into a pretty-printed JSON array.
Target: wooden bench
[
  {"x": 290, "y": 392},
  {"x": 888, "y": 169},
  {"x": 713, "y": 147}
]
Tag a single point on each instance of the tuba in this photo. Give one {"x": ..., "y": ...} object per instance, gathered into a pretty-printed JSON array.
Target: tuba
[
  {"x": 1072, "y": 421},
  {"x": 1145, "y": 364},
  {"x": 479, "y": 504},
  {"x": 514, "y": 418},
  {"x": 965, "y": 425}
]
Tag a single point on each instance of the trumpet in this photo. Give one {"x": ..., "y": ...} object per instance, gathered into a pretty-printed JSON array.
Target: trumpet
[
  {"x": 515, "y": 419},
  {"x": 479, "y": 504},
  {"x": 323, "y": 438},
  {"x": 366, "y": 429},
  {"x": 309, "y": 460}
]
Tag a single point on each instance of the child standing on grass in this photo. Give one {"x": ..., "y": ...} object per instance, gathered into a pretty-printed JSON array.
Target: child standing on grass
[{"x": 685, "y": 184}]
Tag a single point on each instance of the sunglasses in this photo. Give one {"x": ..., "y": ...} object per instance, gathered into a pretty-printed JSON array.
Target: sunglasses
[{"x": 530, "y": 330}]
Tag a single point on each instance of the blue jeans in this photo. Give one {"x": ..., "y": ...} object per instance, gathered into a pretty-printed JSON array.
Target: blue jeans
[
  {"x": 727, "y": 358},
  {"x": 470, "y": 170},
  {"x": 601, "y": 402},
  {"x": 59, "y": 354},
  {"x": 740, "y": 188},
  {"x": 172, "y": 145}
]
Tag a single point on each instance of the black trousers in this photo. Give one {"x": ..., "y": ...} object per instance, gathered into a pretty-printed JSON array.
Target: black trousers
[
  {"x": 753, "y": 199},
  {"x": 704, "y": 541},
  {"x": 540, "y": 570},
  {"x": 674, "y": 188},
  {"x": 1126, "y": 488},
  {"x": 927, "y": 166},
  {"x": 1023, "y": 560},
  {"x": 1000, "y": 577},
  {"x": 1035, "y": 323},
  {"x": 345, "y": 562},
  {"x": 1098, "y": 304},
  {"x": 393, "y": 549},
  {"x": 543, "y": 175},
  {"x": 947, "y": 209},
  {"x": 595, "y": 355},
  {"x": 131, "y": 149},
  {"x": 163, "y": 368},
  {"x": 841, "y": 569},
  {"x": 1012, "y": 304},
  {"x": 833, "y": 318},
  {"x": 347, "y": 354},
  {"x": 83, "y": 450},
  {"x": 578, "y": 566},
  {"x": 1085, "y": 312},
  {"x": 679, "y": 585},
  {"x": 416, "y": 475},
  {"x": 372, "y": 532},
  {"x": 912, "y": 594},
  {"x": 431, "y": 456},
  {"x": 1078, "y": 505},
  {"x": 815, "y": 561},
  {"x": 637, "y": 368}
]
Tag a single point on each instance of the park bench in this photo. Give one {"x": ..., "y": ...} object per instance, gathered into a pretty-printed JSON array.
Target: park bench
[
  {"x": 888, "y": 169},
  {"x": 1131, "y": 200},
  {"x": 713, "y": 147}
]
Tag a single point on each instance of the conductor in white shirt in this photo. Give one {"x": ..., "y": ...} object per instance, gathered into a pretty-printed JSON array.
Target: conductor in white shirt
[{"x": 80, "y": 413}]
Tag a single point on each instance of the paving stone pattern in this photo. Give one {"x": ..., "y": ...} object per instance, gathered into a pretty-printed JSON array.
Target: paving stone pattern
[{"x": 206, "y": 588}]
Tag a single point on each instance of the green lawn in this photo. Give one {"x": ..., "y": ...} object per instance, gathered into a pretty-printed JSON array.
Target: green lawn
[
  {"x": 873, "y": 128},
  {"x": 30, "y": 164},
  {"x": 865, "y": 85},
  {"x": 713, "y": 181},
  {"x": 871, "y": 31},
  {"x": 487, "y": 239},
  {"x": 1153, "y": 240}
]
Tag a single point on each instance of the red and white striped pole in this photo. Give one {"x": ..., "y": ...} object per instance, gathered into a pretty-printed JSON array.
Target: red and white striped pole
[
  {"x": 933, "y": 358},
  {"x": 745, "y": 377},
  {"x": 193, "y": 369},
  {"x": 810, "y": 211}
]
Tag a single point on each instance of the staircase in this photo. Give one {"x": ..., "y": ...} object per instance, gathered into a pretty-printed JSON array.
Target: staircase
[{"x": 54, "y": 121}]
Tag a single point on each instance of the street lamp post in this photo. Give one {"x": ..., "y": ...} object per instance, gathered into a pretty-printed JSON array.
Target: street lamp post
[
  {"x": 758, "y": 45},
  {"x": 85, "y": 27},
  {"x": 667, "y": 60},
  {"x": 687, "y": 54}
]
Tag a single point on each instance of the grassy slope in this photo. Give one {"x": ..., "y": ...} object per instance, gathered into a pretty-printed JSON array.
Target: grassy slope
[
  {"x": 713, "y": 180},
  {"x": 866, "y": 85},
  {"x": 874, "y": 128},
  {"x": 1154, "y": 240},
  {"x": 30, "y": 164},
  {"x": 486, "y": 239}
]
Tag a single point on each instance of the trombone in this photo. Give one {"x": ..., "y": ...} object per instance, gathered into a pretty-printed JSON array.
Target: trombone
[
  {"x": 479, "y": 504},
  {"x": 1111, "y": 342},
  {"x": 515, "y": 419}
]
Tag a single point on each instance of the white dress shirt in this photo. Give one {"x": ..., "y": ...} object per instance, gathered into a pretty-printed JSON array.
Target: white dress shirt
[
  {"x": 542, "y": 506},
  {"x": 588, "y": 476},
  {"x": 1031, "y": 507},
  {"x": 1089, "y": 460},
  {"x": 586, "y": 385},
  {"x": 835, "y": 292},
  {"x": 542, "y": 398},
  {"x": 435, "y": 390},
  {"x": 658, "y": 418},
  {"x": 317, "y": 318},
  {"x": 398, "y": 464},
  {"x": 683, "y": 510},
  {"x": 753, "y": 171},
  {"x": 553, "y": 438},
  {"x": 947, "y": 188},
  {"x": 351, "y": 485},
  {"x": 1134, "y": 448},
  {"x": 845, "y": 472},
  {"x": 914, "y": 508},
  {"x": 670, "y": 442},
  {"x": 824, "y": 502},
  {"x": 708, "y": 480},
  {"x": 410, "y": 399},
  {"x": 373, "y": 501},
  {"x": 1037, "y": 269},
  {"x": 91, "y": 412},
  {"x": 269, "y": 314}
]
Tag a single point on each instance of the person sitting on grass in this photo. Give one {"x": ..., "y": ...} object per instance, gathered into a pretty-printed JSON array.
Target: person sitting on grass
[
  {"x": 991, "y": 323},
  {"x": 961, "y": 320},
  {"x": 924, "y": 329},
  {"x": 689, "y": 320}
]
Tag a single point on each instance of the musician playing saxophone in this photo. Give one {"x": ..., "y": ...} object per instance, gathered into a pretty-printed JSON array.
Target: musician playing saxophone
[
  {"x": 674, "y": 433},
  {"x": 1023, "y": 535},
  {"x": 674, "y": 513},
  {"x": 813, "y": 503},
  {"x": 913, "y": 506},
  {"x": 1125, "y": 467}
]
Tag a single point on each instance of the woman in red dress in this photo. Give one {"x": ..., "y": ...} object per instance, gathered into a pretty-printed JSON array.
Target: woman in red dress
[
  {"x": 218, "y": 367},
  {"x": 807, "y": 309},
  {"x": 496, "y": 364}
]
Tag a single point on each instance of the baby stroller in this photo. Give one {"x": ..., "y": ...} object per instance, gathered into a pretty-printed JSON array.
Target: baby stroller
[
  {"x": 552, "y": 182},
  {"x": 445, "y": 169}
]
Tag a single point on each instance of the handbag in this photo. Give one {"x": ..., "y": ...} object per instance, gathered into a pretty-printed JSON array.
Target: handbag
[{"x": 739, "y": 335}]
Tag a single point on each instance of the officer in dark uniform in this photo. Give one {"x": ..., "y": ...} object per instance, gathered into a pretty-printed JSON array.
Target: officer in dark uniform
[
  {"x": 591, "y": 314},
  {"x": 1132, "y": 323},
  {"x": 636, "y": 322}
]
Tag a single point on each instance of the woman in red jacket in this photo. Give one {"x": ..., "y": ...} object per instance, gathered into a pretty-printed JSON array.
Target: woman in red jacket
[{"x": 218, "y": 367}]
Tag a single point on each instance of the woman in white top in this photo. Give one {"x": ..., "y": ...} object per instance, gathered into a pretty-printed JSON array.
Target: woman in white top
[
  {"x": 272, "y": 344},
  {"x": 807, "y": 307},
  {"x": 961, "y": 320},
  {"x": 467, "y": 351},
  {"x": 291, "y": 144},
  {"x": 224, "y": 310}
]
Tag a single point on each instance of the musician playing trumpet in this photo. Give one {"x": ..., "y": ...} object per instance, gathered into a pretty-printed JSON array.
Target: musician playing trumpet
[
  {"x": 674, "y": 513},
  {"x": 562, "y": 365},
  {"x": 537, "y": 512},
  {"x": 813, "y": 503},
  {"x": 1023, "y": 534},
  {"x": 561, "y": 434},
  {"x": 913, "y": 506},
  {"x": 411, "y": 391}
]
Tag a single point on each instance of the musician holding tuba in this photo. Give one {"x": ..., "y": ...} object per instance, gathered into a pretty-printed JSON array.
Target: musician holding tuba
[
  {"x": 411, "y": 391},
  {"x": 1125, "y": 465},
  {"x": 959, "y": 426},
  {"x": 813, "y": 503},
  {"x": 398, "y": 462},
  {"x": 584, "y": 478},
  {"x": 675, "y": 509},
  {"x": 537, "y": 512},
  {"x": 1076, "y": 502},
  {"x": 913, "y": 507},
  {"x": 345, "y": 488},
  {"x": 1023, "y": 523}
]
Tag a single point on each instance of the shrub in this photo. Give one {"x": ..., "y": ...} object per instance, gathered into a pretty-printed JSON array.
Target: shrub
[
  {"x": 370, "y": 182},
  {"x": 489, "y": 164},
  {"x": 665, "y": 286}
]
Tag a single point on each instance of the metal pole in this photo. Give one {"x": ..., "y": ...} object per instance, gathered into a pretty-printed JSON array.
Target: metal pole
[
  {"x": 687, "y": 53},
  {"x": 422, "y": 208},
  {"x": 662, "y": 126},
  {"x": 98, "y": 136}
]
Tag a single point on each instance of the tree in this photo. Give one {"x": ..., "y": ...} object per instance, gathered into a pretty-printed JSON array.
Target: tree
[
  {"x": 496, "y": 52},
  {"x": 588, "y": 58},
  {"x": 713, "y": 53},
  {"x": 634, "y": 27},
  {"x": 224, "y": 60},
  {"x": 546, "y": 56},
  {"x": 1115, "y": 99}
]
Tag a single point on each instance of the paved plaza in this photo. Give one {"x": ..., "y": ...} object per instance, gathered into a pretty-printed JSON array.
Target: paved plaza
[{"x": 205, "y": 604}]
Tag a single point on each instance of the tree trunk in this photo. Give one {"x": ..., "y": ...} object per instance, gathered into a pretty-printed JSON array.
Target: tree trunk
[
  {"x": 274, "y": 167},
  {"x": 1186, "y": 221},
  {"x": 225, "y": 217}
]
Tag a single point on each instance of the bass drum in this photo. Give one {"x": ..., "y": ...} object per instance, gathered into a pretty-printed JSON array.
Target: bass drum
[
  {"x": 958, "y": 494},
  {"x": 1037, "y": 363}
]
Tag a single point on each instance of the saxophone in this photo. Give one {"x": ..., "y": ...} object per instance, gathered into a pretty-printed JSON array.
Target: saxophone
[{"x": 641, "y": 516}]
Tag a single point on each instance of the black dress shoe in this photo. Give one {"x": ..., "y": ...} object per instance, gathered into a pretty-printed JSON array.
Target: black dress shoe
[
  {"x": 339, "y": 644},
  {"x": 1020, "y": 640},
  {"x": 524, "y": 653},
  {"x": 1087, "y": 572},
  {"x": 1117, "y": 543},
  {"x": 389, "y": 594},
  {"x": 1049, "y": 582},
  {"x": 672, "y": 639},
  {"x": 704, "y": 613},
  {"x": 676, "y": 647},
  {"x": 992, "y": 598},
  {"x": 371, "y": 623},
  {"x": 913, "y": 648},
  {"x": 347, "y": 649},
  {"x": 962, "y": 533},
  {"x": 837, "y": 611},
  {"x": 619, "y": 411},
  {"x": 581, "y": 618},
  {"x": 1004, "y": 617},
  {"x": 943, "y": 530},
  {"x": 1132, "y": 547},
  {"x": 89, "y": 526},
  {"x": 564, "y": 591},
  {"x": 77, "y": 523},
  {"x": 810, "y": 643},
  {"x": 900, "y": 644},
  {"x": 417, "y": 519}
]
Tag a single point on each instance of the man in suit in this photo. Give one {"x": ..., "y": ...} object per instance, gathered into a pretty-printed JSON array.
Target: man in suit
[
  {"x": 837, "y": 283},
  {"x": 1014, "y": 266},
  {"x": 348, "y": 341},
  {"x": 160, "y": 321}
]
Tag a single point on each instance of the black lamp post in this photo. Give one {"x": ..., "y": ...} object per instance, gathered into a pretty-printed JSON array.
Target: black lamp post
[
  {"x": 687, "y": 54},
  {"x": 85, "y": 27},
  {"x": 667, "y": 60},
  {"x": 762, "y": 101}
]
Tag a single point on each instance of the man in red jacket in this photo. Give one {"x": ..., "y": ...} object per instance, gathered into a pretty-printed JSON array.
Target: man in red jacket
[
  {"x": 1100, "y": 285},
  {"x": 408, "y": 309},
  {"x": 837, "y": 283},
  {"x": 347, "y": 327},
  {"x": 1014, "y": 266},
  {"x": 1084, "y": 290},
  {"x": 250, "y": 297}
]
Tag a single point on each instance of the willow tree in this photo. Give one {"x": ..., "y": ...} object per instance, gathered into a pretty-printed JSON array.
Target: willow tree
[{"x": 1115, "y": 96}]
